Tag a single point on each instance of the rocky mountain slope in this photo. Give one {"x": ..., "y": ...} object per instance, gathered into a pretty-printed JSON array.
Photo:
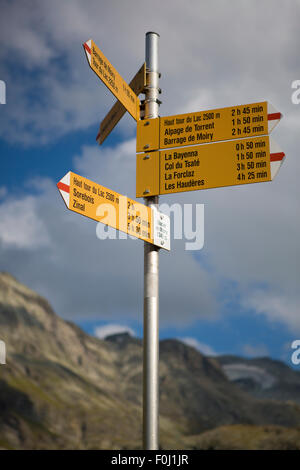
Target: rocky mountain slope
[
  {"x": 62, "y": 388},
  {"x": 263, "y": 377}
]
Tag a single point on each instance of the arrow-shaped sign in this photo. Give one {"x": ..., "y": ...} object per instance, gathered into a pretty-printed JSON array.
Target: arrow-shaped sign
[
  {"x": 234, "y": 122},
  {"x": 236, "y": 162},
  {"x": 112, "y": 118},
  {"x": 112, "y": 79},
  {"x": 96, "y": 202}
]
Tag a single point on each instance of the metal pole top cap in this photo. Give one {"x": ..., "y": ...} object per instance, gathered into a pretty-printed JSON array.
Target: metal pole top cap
[{"x": 152, "y": 32}]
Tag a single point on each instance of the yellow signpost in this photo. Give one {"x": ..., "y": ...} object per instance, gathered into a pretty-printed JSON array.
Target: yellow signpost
[
  {"x": 96, "y": 202},
  {"x": 112, "y": 79},
  {"x": 234, "y": 122},
  {"x": 112, "y": 118},
  {"x": 185, "y": 152},
  {"x": 236, "y": 162}
]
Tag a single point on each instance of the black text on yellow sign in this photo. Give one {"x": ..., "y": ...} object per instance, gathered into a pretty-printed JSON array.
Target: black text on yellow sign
[
  {"x": 112, "y": 79},
  {"x": 112, "y": 118},
  {"x": 204, "y": 166},
  {"x": 234, "y": 122},
  {"x": 101, "y": 204}
]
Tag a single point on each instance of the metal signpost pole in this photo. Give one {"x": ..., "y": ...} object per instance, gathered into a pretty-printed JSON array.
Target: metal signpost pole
[{"x": 151, "y": 275}]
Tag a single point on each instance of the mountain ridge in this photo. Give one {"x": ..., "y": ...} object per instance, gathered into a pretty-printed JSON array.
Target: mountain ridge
[{"x": 62, "y": 388}]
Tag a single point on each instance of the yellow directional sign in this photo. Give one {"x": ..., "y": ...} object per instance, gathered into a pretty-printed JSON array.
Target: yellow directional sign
[
  {"x": 96, "y": 202},
  {"x": 234, "y": 122},
  {"x": 244, "y": 161},
  {"x": 112, "y": 79},
  {"x": 112, "y": 118}
]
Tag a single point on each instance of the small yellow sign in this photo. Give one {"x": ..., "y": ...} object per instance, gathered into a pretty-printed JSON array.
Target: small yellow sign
[
  {"x": 234, "y": 122},
  {"x": 112, "y": 118},
  {"x": 112, "y": 79},
  {"x": 96, "y": 202},
  {"x": 204, "y": 166}
]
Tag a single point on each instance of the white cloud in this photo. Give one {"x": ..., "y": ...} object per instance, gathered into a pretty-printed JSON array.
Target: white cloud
[
  {"x": 29, "y": 44},
  {"x": 21, "y": 226},
  {"x": 45, "y": 38},
  {"x": 276, "y": 306},
  {"x": 202, "y": 347},
  {"x": 112, "y": 329},
  {"x": 114, "y": 168}
]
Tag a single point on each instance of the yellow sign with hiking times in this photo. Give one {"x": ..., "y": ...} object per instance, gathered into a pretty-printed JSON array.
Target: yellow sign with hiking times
[
  {"x": 103, "y": 205},
  {"x": 231, "y": 163},
  {"x": 203, "y": 127}
]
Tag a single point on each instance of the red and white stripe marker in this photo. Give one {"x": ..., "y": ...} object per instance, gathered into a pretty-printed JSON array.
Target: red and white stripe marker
[
  {"x": 276, "y": 157},
  {"x": 274, "y": 117},
  {"x": 64, "y": 188},
  {"x": 87, "y": 48}
]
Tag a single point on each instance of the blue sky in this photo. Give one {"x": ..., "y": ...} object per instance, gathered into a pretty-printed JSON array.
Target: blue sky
[{"x": 240, "y": 293}]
